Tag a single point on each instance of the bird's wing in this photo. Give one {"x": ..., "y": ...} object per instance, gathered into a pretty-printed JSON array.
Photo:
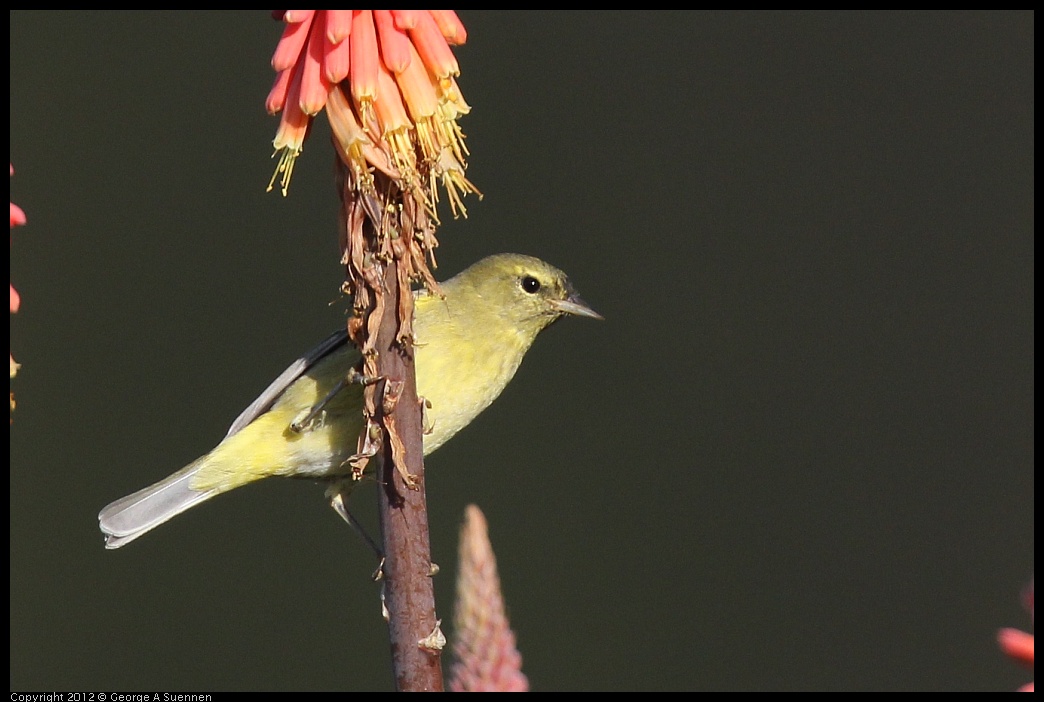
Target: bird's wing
[{"x": 296, "y": 369}]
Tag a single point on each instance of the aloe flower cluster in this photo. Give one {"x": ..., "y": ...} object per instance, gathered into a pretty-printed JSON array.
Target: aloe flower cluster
[{"x": 387, "y": 79}]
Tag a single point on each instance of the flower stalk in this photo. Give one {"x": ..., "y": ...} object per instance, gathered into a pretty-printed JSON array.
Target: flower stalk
[{"x": 387, "y": 80}]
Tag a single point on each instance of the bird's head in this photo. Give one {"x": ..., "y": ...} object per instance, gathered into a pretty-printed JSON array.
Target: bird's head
[{"x": 525, "y": 291}]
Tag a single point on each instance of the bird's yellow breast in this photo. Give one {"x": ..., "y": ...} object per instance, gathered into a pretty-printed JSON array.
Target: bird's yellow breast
[{"x": 461, "y": 368}]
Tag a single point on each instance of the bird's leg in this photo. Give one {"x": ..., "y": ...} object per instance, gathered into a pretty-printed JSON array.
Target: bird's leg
[
  {"x": 337, "y": 502},
  {"x": 303, "y": 422}
]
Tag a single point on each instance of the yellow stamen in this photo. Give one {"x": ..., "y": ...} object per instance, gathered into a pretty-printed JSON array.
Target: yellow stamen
[{"x": 287, "y": 159}]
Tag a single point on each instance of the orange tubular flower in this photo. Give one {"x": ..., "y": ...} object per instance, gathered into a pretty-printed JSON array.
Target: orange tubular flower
[
  {"x": 387, "y": 80},
  {"x": 487, "y": 659}
]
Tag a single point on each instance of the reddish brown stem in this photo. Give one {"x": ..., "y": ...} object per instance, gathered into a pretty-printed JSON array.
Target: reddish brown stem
[
  {"x": 379, "y": 225},
  {"x": 408, "y": 589}
]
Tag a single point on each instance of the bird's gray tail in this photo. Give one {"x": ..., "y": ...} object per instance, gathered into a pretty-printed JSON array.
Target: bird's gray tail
[{"x": 129, "y": 517}]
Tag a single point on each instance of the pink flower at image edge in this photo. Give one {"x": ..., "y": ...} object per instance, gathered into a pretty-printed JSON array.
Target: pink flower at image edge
[
  {"x": 17, "y": 219},
  {"x": 1017, "y": 644}
]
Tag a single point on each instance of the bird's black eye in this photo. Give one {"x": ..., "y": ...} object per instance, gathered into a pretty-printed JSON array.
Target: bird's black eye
[{"x": 530, "y": 284}]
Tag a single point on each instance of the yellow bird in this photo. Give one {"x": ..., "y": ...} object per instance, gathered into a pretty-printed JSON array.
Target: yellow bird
[{"x": 469, "y": 344}]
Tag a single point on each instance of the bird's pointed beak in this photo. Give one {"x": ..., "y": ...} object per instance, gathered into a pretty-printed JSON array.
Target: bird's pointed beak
[{"x": 574, "y": 305}]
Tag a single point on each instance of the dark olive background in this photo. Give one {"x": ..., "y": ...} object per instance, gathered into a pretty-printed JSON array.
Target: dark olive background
[{"x": 797, "y": 454}]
